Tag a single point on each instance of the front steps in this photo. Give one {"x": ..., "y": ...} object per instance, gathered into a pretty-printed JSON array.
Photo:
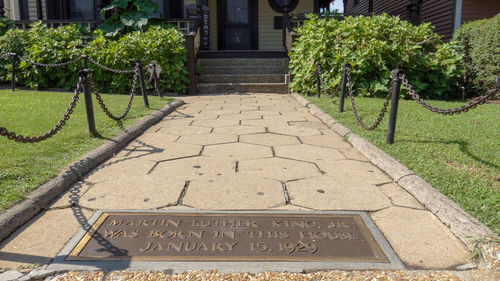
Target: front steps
[{"x": 253, "y": 75}]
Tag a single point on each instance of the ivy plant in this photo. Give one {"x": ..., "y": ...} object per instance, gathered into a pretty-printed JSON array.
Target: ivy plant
[{"x": 127, "y": 16}]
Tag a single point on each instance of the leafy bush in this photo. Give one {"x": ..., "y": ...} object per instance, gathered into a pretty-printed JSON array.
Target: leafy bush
[
  {"x": 165, "y": 45},
  {"x": 5, "y": 25},
  {"x": 54, "y": 45},
  {"x": 479, "y": 41},
  {"x": 374, "y": 46},
  {"x": 127, "y": 16}
]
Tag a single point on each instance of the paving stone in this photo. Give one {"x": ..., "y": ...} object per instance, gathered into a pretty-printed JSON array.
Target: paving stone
[
  {"x": 146, "y": 192},
  {"x": 269, "y": 139},
  {"x": 262, "y": 112},
  {"x": 351, "y": 169},
  {"x": 173, "y": 123},
  {"x": 308, "y": 152},
  {"x": 247, "y": 115},
  {"x": 206, "y": 116},
  {"x": 42, "y": 238},
  {"x": 353, "y": 154},
  {"x": 239, "y": 130},
  {"x": 11, "y": 275},
  {"x": 195, "y": 168},
  {"x": 208, "y": 139},
  {"x": 153, "y": 140},
  {"x": 329, "y": 193},
  {"x": 278, "y": 168},
  {"x": 307, "y": 124},
  {"x": 399, "y": 196},
  {"x": 168, "y": 151},
  {"x": 215, "y": 123},
  {"x": 265, "y": 123},
  {"x": 116, "y": 168},
  {"x": 184, "y": 130},
  {"x": 289, "y": 207},
  {"x": 280, "y": 107},
  {"x": 333, "y": 141},
  {"x": 294, "y": 131},
  {"x": 238, "y": 192},
  {"x": 238, "y": 151},
  {"x": 286, "y": 117},
  {"x": 239, "y": 107},
  {"x": 219, "y": 112},
  {"x": 420, "y": 239},
  {"x": 72, "y": 196}
]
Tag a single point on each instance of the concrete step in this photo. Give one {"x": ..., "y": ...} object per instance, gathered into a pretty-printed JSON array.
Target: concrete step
[
  {"x": 280, "y": 88},
  {"x": 210, "y": 70},
  {"x": 243, "y": 62},
  {"x": 242, "y": 78}
]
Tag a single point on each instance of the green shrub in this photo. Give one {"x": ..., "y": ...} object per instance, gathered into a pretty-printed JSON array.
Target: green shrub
[
  {"x": 374, "y": 46},
  {"x": 165, "y": 45},
  {"x": 479, "y": 41},
  {"x": 54, "y": 45},
  {"x": 127, "y": 16}
]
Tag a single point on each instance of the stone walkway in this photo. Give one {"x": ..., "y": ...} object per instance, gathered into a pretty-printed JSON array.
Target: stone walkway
[{"x": 241, "y": 152}]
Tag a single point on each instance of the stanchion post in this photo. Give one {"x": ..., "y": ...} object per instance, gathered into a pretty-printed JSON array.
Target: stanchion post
[
  {"x": 13, "y": 82},
  {"x": 89, "y": 107},
  {"x": 497, "y": 82},
  {"x": 318, "y": 83},
  {"x": 85, "y": 62},
  {"x": 343, "y": 82},
  {"x": 396, "y": 88},
  {"x": 157, "y": 81},
  {"x": 144, "y": 91}
]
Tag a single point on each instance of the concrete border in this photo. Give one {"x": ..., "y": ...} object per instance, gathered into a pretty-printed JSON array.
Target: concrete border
[
  {"x": 462, "y": 224},
  {"x": 60, "y": 264},
  {"x": 40, "y": 198}
]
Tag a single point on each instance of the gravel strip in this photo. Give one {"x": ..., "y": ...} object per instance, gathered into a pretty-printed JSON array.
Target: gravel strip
[{"x": 215, "y": 275}]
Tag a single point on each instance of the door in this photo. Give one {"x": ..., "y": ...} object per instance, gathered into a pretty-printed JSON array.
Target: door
[{"x": 237, "y": 24}]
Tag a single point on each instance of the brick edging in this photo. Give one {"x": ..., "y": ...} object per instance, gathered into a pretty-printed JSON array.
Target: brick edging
[
  {"x": 40, "y": 198},
  {"x": 465, "y": 227}
]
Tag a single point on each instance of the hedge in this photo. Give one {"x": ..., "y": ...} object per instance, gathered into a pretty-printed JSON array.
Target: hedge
[
  {"x": 52, "y": 45},
  {"x": 479, "y": 41},
  {"x": 374, "y": 46}
]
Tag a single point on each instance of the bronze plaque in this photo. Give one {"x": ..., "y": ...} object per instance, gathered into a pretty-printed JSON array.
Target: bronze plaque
[{"x": 228, "y": 237}]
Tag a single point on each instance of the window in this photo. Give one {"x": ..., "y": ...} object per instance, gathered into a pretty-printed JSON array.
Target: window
[
  {"x": 80, "y": 10},
  {"x": 280, "y": 5}
]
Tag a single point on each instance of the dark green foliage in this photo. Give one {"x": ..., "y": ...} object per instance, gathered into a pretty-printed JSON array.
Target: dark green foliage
[
  {"x": 374, "y": 46},
  {"x": 127, "y": 16},
  {"x": 165, "y": 45},
  {"x": 54, "y": 45},
  {"x": 479, "y": 41},
  {"x": 5, "y": 25}
]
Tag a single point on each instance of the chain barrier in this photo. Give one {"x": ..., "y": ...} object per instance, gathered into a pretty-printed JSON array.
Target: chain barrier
[
  {"x": 48, "y": 64},
  {"x": 354, "y": 109},
  {"x": 132, "y": 94},
  {"x": 323, "y": 87},
  {"x": 117, "y": 71},
  {"x": 25, "y": 139},
  {"x": 471, "y": 105}
]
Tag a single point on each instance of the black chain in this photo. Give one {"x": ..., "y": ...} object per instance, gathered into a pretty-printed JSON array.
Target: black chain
[
  {"x": 132, "y": 94},
  {"x": 323, "y": 87},
  {"x": 47, "y": 64},
  {"x": 24, "y": 139},
  {"x": 354, "y": 109},
  {"x": 117, "y": 71},
  {"x": 464, "y": 108}
]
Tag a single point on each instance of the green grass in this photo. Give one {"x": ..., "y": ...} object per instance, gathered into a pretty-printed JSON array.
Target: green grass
[
  {"x": 24, "y": 167},
  {"x": 459, "y": 155}
]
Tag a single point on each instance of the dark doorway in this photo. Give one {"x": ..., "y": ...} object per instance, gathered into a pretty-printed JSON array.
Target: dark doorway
[{"x": 237, "y": 25}]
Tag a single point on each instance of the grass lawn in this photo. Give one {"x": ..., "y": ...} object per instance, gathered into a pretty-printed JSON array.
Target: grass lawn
[
  {"x": 24, "y": 167},
  {"x": 459, "y": 155}
]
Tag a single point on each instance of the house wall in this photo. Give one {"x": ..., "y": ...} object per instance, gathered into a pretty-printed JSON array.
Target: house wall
[
  {"x": 270, "y": 39},
  {"x": 474, "y": 9}
]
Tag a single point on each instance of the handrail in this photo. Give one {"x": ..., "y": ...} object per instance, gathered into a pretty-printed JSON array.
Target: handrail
[
  {"x": 193, "y": 44},
  {"x": 23, "y": 24}
]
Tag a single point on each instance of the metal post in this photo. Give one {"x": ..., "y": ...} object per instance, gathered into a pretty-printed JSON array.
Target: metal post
[
  {"x": 89, "y": 107},
  {"x": 396, "y": 87},
  {"x": 497, "y": 82},
  {"x": 157, "y": 81},
  {"x": 85, "y": 62},
  {"x": 13, "y": 80},
  {"x": 144, "y": 91},
  {"x": 343, "y": 83},
  {"x": 318, "y": 83}
]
